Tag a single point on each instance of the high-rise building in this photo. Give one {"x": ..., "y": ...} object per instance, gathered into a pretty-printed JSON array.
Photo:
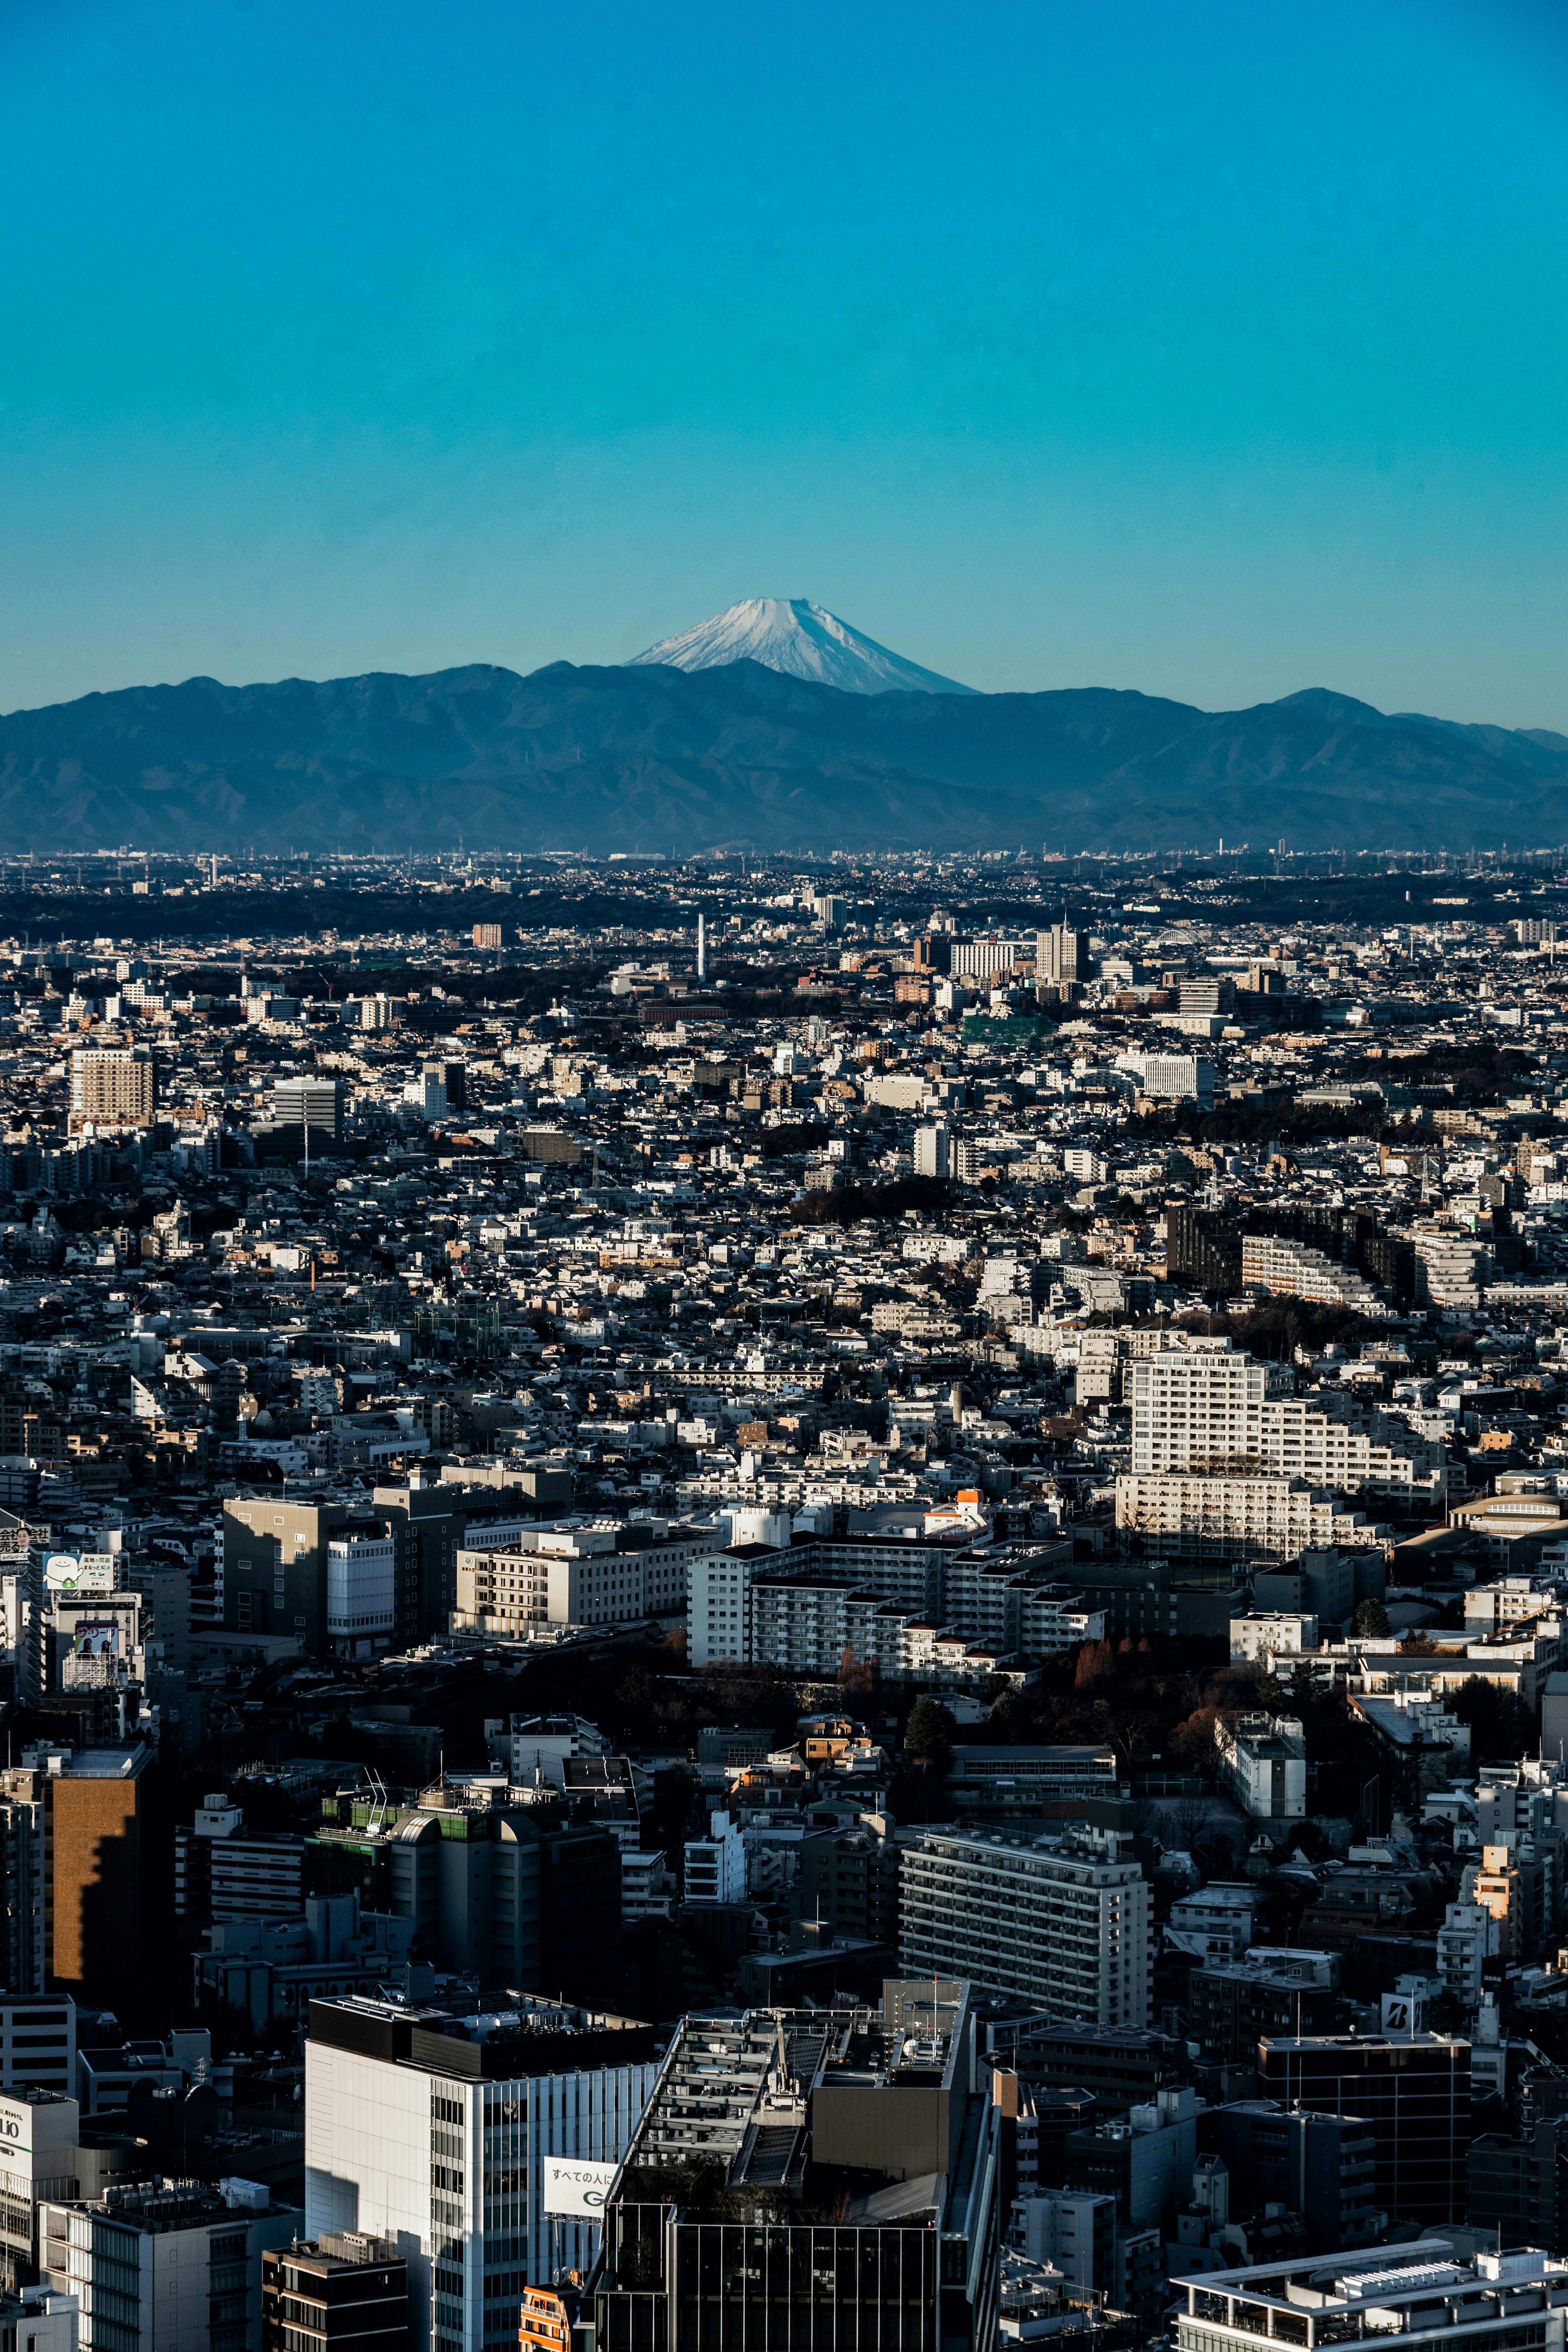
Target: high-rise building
[
  {"x": 340, "y": 2292},
  {"x": 444, "y": 2134},
  {"x": 1414, "y": 2092},
  {"x": 170, "y": 2263},
  {"x": 310, "y": 1104},
  {"x": 1061, "y": 953},
  {"x": 275, "y": 1568},
  {"x": 1210, "y": 1411},
  {"x": 99, "y": 1850},
  {"x": 487, "y": 935},
  {"x": 932, "y": 1150},
  {"x": 868, "y": 2137},
  {"x": 1059, "y": 1920},
  {"x": 490, "y": 1893},
  {"x": 114, "y": 1086}
]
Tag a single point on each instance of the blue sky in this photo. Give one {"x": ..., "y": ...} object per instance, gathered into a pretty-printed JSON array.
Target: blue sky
[{"x": 1216, "y": 350}]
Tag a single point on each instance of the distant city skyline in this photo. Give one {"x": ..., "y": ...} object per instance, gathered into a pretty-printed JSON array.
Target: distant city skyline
[{"x": 1212, "y": 352}]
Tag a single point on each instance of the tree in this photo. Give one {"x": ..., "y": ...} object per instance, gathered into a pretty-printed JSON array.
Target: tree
[
  {"x": 1096, "y": 1663},
  {"x": 1371, "y": 1618},
  {"x": 1191, "y": 1745},
  {"x": 1499, "y": 1724},
  {"x": 928, "y": 1734}
]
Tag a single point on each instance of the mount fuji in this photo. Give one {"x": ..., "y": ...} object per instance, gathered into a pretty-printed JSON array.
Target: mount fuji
[{"x": 799, "y": 639}]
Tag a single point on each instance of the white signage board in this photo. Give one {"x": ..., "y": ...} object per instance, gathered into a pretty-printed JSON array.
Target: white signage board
[{"x": 576, "y": 2186}]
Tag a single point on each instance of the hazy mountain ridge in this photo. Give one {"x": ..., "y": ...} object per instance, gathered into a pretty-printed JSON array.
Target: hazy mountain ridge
[{"x": 648, "y": 757}]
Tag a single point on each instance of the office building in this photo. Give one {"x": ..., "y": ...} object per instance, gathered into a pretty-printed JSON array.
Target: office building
[
  {"x": 114, "y": 1087},
  {"x": 275, "y": 1568},
  {"x": 1059, "y": 1921},
  {"x": 1428, "y": 2295},
  {"x": 222, "y": 1874},
  {"x": 315, "y": 1106},
  {"x": 340, "y": 2292},
  {"x": 362, "y": 1595},
  {"x": 1518, "y": 2189},
  {"x": 1061, "y": 954},
  {"x": 95, "y": 1805},
  {"x": 1413, "y": 2092},
  {"x": 1270, "y": 1990},
  {"x": 435, "y": 2133},
  {"x": 880, "y": 2117},
  {"x": 490, "y": 1893},
  {"x": 1323, "y": 2167},
  {"x": 166, "y": 2265}
]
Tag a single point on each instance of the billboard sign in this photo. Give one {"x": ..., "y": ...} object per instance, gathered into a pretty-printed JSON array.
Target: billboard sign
[{"x": 575, "y": 2187}]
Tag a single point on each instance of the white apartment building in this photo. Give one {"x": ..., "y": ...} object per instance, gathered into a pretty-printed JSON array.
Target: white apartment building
[
  {"x": 715, "y": 1866},
  {"x": 718, "y": 1608},
  {"x": 1263, "y": 1763},
  {"x": 433, "y": 2131},
  {"x": 931, "y": 1151},
  {"x": 1061, "y": 1922},
  {"x": 1238, "y": 1517},
  {"x": 1216, "y": 1925},
  {"x": 1289, "y": 1269},
  {"x": 1175, "y": 1077},
  {"x": 1455, "y": 1267},
  {"x": 977, "y": 959},
  {"x": 1212, "y": 1412},
  {"x": 1272, "y": 1633}
]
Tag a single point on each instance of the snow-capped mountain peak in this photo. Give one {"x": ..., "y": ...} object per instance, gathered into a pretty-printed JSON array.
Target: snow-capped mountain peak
[{"x": 803, "y": 640}]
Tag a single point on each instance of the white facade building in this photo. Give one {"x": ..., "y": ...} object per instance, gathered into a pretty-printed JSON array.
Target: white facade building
[
  {"x": 442, "y": 2149},
  {"x": 1291, "y": 1269},
  {"x": 1060, "y": 1922},
  {"x": 1272, "y": 1633},
  {"x": 716, "y": 1865},
  {"x": 1263, "y": 1763},
  {"x": 362, "y": 1582},
  {"x": 1212, "y": 1412},
  {"x": 931, "y": 1151}
]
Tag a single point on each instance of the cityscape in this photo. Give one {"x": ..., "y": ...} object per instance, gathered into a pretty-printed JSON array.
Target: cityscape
[
  {"x": 783, "y": 1178},
  {"x": 873, "y": 1557}
]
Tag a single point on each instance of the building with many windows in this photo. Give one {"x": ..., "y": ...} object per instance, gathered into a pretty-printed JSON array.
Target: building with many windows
[
  {"x": 165, "y": 2265},
  {"x": 434, "y": 2131},
  {"x": 1425, "y": 2295},
  {"x": 1060, "y": 1921},
  {"x": 344, "y": 2290},
  {"x": 114, "y": 1087},
  {"x": 813, "y": 2180}
]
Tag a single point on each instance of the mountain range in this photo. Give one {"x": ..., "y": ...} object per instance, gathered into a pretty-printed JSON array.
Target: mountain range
[{"x": 654, "y": 757}]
